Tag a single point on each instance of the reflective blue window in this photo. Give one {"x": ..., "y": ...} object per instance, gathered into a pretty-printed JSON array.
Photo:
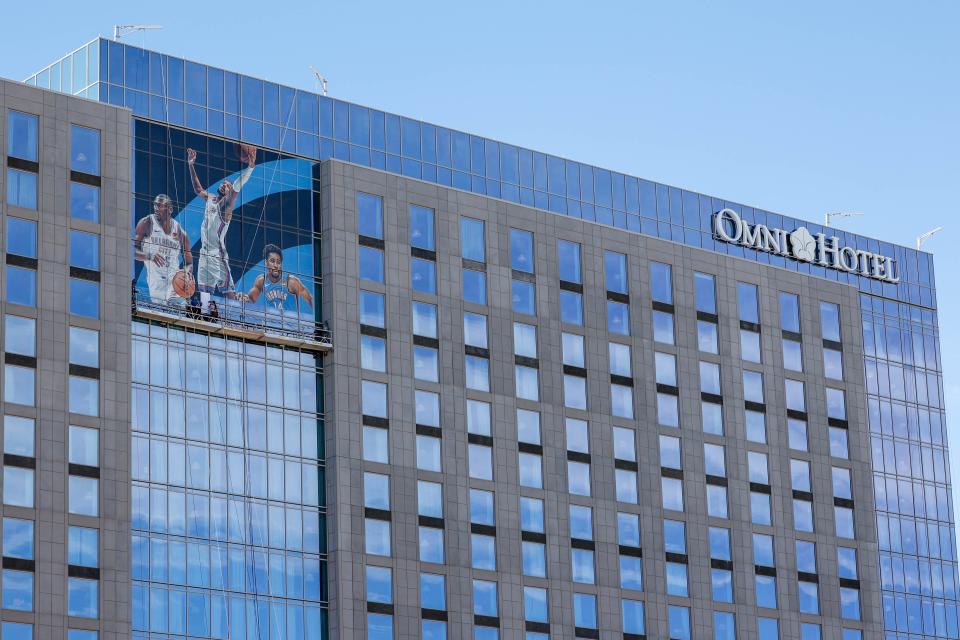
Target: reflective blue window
[
  {"x": 379, "y": 585},
  {"x": 421, "y": 228},
  {"x": 484, "y": 598},
  {"x": 371, "y": 264},
  {"x": 678, "y": 622},
  {"x": 370, "y": 215},
  {"x": 661, "y": 282},
  {"x": 84, "y": 150},
  {"x": 84, "y": 250},
  {"x": 632, "y": 614},
  {"x": 571, "y": 307},
  {"x": 523, "y": 296},
  {"x": 768, "y": 628},
  {"x": 585, "y": 610},
  {"x": 17, "y": 590},
  {"x": 521, "y": 250},
  {"x": 432, "y": 591},
  {"x": 22, "y": 135},
  {"x": 16, "y": 631},
  {"x": 705, "y": 292},
  {"x": 568, "y": 261},
  {"x": 22, "y": 237},
  {"x": 472, "y": 242},
  {"x": 84, "y": 297},
  {"x": 83, "y": 547},
  {"x": 84, "y": 202},
  {"x": 21, "y": 286},
  {"x": 423, "y": 275},
  {"x": 18, "y": 538},
  {"x": 724, "y": 626},
  {"x": 21, "y": 188}
]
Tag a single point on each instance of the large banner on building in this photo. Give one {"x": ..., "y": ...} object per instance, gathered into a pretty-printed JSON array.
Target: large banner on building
[{"x": 223, "y": 229}]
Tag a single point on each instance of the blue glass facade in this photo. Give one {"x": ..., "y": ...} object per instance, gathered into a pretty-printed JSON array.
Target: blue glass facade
[{"x": 254, "y": 579}]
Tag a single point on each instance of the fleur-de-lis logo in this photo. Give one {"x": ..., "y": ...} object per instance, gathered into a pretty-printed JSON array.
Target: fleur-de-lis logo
[{"x": 803, "y": 245}]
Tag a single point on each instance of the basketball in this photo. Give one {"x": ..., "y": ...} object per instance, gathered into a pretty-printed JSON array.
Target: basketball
[
  {"x": 247, "y": 153},
  {"x": 183, "y": 284}
]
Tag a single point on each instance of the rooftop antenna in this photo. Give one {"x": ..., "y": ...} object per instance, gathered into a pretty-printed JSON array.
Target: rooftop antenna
[
  {"x": 827, "y": 217},
  {"x": 320, "y": 79},
  {"x": 120, "y": 30},
  {"x": 926, "y": 236}
]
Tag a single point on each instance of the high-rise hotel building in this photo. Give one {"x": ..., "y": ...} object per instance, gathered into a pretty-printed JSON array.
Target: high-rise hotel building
[{"x": 278, "y": 366}]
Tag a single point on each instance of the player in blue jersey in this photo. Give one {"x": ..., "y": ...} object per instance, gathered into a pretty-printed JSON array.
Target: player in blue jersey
[{"x": 280, "y": 292}]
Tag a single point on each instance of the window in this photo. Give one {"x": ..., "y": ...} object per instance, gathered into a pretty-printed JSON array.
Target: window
[
  {"x": 661, "y": 283},
  {"x": 626, "y": 485},
  {"x": 525, "y": 340},
  {"x": 808, "y": 596},
  {"x": 379, "y": 626},
  {"x": 830, "y": 321},
  {"x": 759, "y": 508},
  {"x": 721, "y": 585},
  {"x": 531, "y": 474},
  {"x": 528, "y": 387},
  {"x": 620, "y": 360},
  {"x": 373, "y": 353},
  {"x": 750, "y": 314},
  {"x": 632, "y": 615},
  {"x": 423, "y": 275},
  {"x": 427, "y": 408},
  {"x": 789, "y": 312},
  {"x": 421, "y": 228},
  {"x": 372, "y": 309},
  {"x": 578, "y": 478},
  {"x": 83, "y": 546},
  {"x": 841, "y": 483},
  {"x": 670, "y": 452},
  {"x": 429, "y": 499},
  {"x": 18, "y": 538},
  {"x": 768, "y": 628},
  {"x": 582, "y": 566},
  {"x": 624, "y": 444},
  {"x": 375, "y": 444},
  {"x": 84, "y": 396},
  {"x": 792, "y": 355},
  {"x": 428, "y": 453},
  {"x": 571, "y": 307},
  {"x": 18, "y": 590},
  {"x": 756, "y": 426},
  {"x": 481, "y": 507},
  {"x": 766, "y": 591},
  {"x": 672, "y": 491},
  {"x": 535, "y": 604},
  {"x": 666, "y": 369},
  {"x": 433, "y": 591},
  {"x": 572, "y": 344},
  {"x": 20, "y": 336},
  {"x": 631, "y": 572},
  {"x": 521, "y": 250},
  {"x": 833, "y": 363},
  {"x": 84, "y": 250},
  {"x": 373, "y": 398},
  {"x": 379, "y": 585},
  {"x": 585, "y": 611},
  {"x": 21, "y": 188},
  {"x": 22, "y": 135},
  {"x": 568, "y": 261},
  {"x": 376, "y": 491},
  {"x": 22, "y": 286},
  {"x": 478, "y": 417},
  {"x": 84, "y": 297},
  {"x": 84, "y": 202},
  {"x": 847, "y": 563},
  {"x": 377, "y": 537},
  {"x": 480, "y": 463},
  {"x": 84, "y": 446},
  {"x": 19, "y": 385},
  {"x": 534, "y": 559},
  {"x": 794, "y": 395},
  {"x": 668, "y": 410},
  {"x": 849, "y": 603},
  {"x": 531, "y": 515},
  {"x": 371, "y": 264},
  {"x": 753, "y": 386},
  {"x": 84, "y": 347},
  {"x": 705, "y": 292},
  {"x": 523, "y": 296},
  {"x": 797, "y": 434},
  {"x": 472, "y": 239},
  {"x": 806, "y": 556},
  {"x": 483, "y": 552},
  {"x": 838, "y": 443},
  {"x": 83, "y": 495},
  {"x": 21, "y": 237},
  {"x": 802, "y": 515},
  {"x": 20, "y": 631},
  {"x": 474, "y": 286},
  {"x": 477, "y": 371},
  {"x": 618, "y": 318},
  {"x": 724, "y": 626},
  {"x": 836, "y": 404},
  {"x": 370, "y": 215},
  {"x": 757, "y": 467},
  {"x": 424, "y": 319},
  {"x": 426, "y": 365},
  {"x": 475, "y": 331},
  {"x": 615, "y": 268},
  {"x": 84, "y": 150},
  {"x": 678, "y": 623},
  {"x": 843, "y": 517},
  {"x": 484, "y": 598},
  {"x": 581, "y": 522}
]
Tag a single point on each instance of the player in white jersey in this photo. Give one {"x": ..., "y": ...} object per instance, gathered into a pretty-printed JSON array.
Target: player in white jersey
[
  {"x": 281, "y": 293},
  {"x": 160, "y": 243},
  {"x": 213, "y": 272}
]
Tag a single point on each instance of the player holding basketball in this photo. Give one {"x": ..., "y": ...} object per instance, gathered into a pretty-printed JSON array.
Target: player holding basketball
[
  {"x": 160, "y": 243},
  {"x": 213, "y": 272},
  {"x": 278, "y": 290}
]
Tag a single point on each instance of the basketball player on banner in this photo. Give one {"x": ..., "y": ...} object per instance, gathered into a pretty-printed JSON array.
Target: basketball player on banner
[
  {"x": 161, "y": 243},
  {"x": 280, "y": 292},
  {"x": 213, "y": 272}
]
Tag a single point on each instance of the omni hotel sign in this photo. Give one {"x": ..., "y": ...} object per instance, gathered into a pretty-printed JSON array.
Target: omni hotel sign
[{"x": 801, "y": 245}]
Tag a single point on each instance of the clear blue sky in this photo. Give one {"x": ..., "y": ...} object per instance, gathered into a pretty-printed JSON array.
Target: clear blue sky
[{"x": 796, "y": 108}]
